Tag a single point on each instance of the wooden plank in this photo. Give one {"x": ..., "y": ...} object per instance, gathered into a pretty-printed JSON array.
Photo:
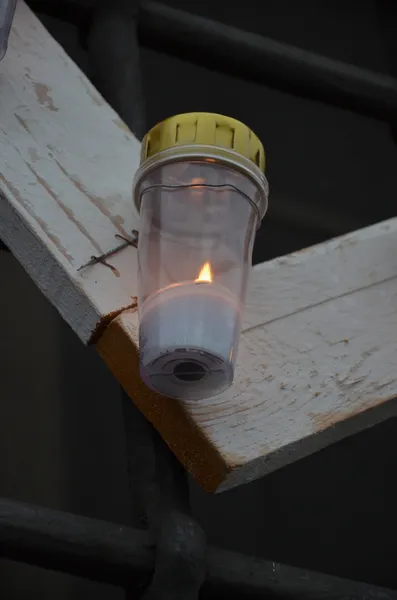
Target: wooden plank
[
  {"x": 65, "y": 179},
  {"x": 320, "y": 273},
  {"x": 316, "y": 362}
]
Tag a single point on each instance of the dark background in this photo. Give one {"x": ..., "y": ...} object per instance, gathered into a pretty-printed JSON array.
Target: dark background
[{"x": 330, "y": 171}]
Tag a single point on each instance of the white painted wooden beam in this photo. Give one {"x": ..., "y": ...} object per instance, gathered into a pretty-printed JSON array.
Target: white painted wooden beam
[
  {"x": 316, "y": 362},
  {"x": 317, "y": 355},
  {"x": 67, "y": 162}
]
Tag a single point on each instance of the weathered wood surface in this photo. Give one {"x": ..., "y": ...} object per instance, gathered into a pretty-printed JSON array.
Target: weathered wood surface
[
  {"x": 317, "y": 356},
  {"x": 66, "y": 169},
  {"x": 316, "y": 362}
]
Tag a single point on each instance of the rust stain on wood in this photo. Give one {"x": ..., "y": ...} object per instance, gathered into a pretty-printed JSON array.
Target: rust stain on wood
[
  {"x": 105, "y": 263},
  {"x": 96, "y": 201},
  {"x": 43, "y": 96},
  {"x": 68, "y": 212},
  {"x": 118, "y": 221},
  {"x": 105, "y": 321},
  {"x": 55, "y": 240}
]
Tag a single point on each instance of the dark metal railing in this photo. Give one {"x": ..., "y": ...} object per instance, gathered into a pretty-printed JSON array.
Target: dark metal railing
[
  {"x": 124, "y": 556},
  {"x": 225, "y": 48},
  {"x": 170, "y": 559}
]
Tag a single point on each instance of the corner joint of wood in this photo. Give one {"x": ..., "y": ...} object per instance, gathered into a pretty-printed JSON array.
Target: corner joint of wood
[{"x": 118, "y": 347}]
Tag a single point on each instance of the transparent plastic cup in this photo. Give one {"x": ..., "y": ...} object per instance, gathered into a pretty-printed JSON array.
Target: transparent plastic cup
[{"x": 197, "y": 228}]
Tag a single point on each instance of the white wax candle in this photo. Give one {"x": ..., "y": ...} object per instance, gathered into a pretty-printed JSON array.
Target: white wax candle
[{"x": 188, "y": 339}]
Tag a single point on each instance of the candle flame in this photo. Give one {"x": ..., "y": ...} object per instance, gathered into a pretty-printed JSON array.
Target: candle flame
[{"x": 205, "y": 273}]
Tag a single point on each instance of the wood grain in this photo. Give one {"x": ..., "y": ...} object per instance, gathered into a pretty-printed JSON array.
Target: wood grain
[
  {"x": 316, "y": 362},
  {"x": 67, "y": 163},
  {"x": 317, "y": 355}
]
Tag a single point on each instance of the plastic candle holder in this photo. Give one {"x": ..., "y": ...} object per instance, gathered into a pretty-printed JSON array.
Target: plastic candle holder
[{"x": 201, "y": 193}]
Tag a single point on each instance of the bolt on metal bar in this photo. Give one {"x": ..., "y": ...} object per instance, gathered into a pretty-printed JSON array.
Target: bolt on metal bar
[{"x": 113, "y": 553}]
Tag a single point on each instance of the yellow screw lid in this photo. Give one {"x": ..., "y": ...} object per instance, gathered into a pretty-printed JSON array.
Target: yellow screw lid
[{"x": 205, "y": 129}]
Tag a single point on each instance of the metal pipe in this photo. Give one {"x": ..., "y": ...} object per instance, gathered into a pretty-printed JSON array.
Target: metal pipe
[
  {"x": 241, "y": 53},
  {"x": 114, "y": 58},
  {"x": 160, "y": 493},
  {"x": 73, "y": 544},
  {"x": 116, "y": 554},
  {"x": 255, "y": 57}
]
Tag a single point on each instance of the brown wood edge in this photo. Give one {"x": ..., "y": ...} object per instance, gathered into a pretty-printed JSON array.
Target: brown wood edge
[
  {"x": 118, "y": 349},
  {"x": 105, "y": 321}
]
